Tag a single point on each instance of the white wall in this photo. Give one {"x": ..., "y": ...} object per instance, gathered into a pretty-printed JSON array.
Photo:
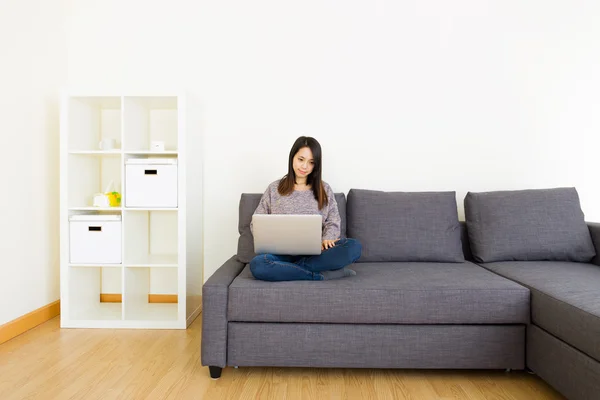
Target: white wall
[
  {"x": 414, "y": 95},
  {"x": 32, "y": 66}
]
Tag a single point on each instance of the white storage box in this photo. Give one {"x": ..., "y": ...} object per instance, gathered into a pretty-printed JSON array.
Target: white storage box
[
  {"x": 151, "y": 182},
  {"x": 95, "y": 239}
]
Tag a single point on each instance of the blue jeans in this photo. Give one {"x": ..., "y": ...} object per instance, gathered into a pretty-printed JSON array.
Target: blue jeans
[{"x": 270, "y": 267}]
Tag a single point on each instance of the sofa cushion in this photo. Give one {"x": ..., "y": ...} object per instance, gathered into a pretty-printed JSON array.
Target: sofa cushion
[
  {"x": 528, "y": 225},
  {"x": 385, "y": 293},
  {"x": 248, "y": 204},
  {"x": 565, "y": 299},
  {"x": 401, "y": 226},
  {"x": 464, "y": 238}
]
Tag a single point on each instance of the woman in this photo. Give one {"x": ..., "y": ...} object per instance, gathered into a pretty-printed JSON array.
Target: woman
[{"x": 301, "y": 191}]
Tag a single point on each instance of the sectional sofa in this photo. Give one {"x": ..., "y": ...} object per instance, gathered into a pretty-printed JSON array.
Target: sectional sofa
[{"x": 514, "y": 286}]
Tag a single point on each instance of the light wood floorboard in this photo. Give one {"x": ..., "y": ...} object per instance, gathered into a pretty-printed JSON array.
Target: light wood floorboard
[{"x": 49, "y": 363}]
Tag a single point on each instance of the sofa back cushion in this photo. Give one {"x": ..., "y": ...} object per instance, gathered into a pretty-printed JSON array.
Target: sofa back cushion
[
  {"x": 248, "y": 204},
  {"x": 528, "y": 225},
  {"x": 401, "y": 226},
  {"x": 464, "y": 238}
]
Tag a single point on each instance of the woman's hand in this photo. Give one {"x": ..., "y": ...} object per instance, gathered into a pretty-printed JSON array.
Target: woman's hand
[{"x": 327, "y": 244}]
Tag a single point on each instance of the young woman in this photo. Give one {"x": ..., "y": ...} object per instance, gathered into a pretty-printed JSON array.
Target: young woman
[{"x": 302, "y": 191}]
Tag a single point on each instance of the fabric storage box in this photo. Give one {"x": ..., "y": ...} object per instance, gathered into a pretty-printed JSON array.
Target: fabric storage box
[
  {"x": 151, "y": 182},
  {"x": 95, "y": 239}
]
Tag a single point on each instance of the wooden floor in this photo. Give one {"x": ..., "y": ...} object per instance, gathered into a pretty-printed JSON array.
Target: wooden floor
[{"x": 49, "y": 363}]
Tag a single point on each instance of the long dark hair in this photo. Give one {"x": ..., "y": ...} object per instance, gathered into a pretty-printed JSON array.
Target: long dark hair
[{"x": 286, "y": 185}]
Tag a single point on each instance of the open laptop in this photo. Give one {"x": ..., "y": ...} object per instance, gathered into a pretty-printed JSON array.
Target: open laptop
[{"x": 287, "y": 234}]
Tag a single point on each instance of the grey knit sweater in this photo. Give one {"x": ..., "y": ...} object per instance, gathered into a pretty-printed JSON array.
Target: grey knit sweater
[{"x": 302, "y": 202}]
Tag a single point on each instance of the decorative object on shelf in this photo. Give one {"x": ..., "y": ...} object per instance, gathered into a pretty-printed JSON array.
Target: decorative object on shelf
[
  {"x": 108, "y": 144},
  {"x": 114, "y": 199},
  {"x": 110, "y": 197},
  {"x": 157, "y": 145},
  {"x": 101, "y": 200}
]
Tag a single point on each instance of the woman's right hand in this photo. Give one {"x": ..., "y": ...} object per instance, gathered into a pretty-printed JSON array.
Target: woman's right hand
[{"x": 327, "y": 244}]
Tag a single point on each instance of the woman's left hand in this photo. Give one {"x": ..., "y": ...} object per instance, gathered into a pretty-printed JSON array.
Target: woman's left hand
[{"x": 327, "y": 244}]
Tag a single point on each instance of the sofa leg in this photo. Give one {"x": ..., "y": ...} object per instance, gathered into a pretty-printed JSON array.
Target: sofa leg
[
  {"x": 508, "y": 370},
  {"x": 215, "y": 372}
]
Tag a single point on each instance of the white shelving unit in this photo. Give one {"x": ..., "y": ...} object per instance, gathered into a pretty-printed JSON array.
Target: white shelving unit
[{"x": 157, "y": 284}]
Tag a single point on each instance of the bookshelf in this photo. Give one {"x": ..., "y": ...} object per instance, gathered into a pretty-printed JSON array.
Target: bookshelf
[{"x": 157, "y": 282}]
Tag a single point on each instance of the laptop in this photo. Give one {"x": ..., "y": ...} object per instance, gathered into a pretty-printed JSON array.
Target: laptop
[{"x": 287, "y": 234}]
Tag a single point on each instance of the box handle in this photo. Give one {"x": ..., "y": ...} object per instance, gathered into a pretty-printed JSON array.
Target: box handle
[
  {"x": 95, "y": 228},
  {"x": 150, "y": 172}
]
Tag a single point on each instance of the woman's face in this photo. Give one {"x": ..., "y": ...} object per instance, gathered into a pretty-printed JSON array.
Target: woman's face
[{"x": 303, "y": 162}]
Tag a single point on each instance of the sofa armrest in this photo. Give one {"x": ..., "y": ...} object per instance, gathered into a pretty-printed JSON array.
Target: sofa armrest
[
  {"x": 214, "y": 313},
  {"x": 594, "y": 228}
]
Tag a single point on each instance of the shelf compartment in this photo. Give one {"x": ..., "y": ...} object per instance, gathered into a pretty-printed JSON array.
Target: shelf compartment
[
  {"x": 148, "y": 119},
  {"x": 80, "y": 265},
  {"x": 171, "y": 209},
  {"x": 151, "y": 238},
  {"x": 91, "y": 208},
  {"x": 152, "y": 153},
  {"x": 95, "y": 152},
  {"x": 150, "y": 293},
  {"x": 92, "y": 119},
  {"x": 166, "y": 261},
  {"x": 89, "y": 175},
  {"x": 87, "y": 286}
]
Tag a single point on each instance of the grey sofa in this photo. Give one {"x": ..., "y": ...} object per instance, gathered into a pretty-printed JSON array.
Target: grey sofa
[{"x": 510, "y": 288}]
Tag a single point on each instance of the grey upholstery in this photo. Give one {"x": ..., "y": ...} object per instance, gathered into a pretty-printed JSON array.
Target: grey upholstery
[
  {"x": 385, "y": 293},
  {"x": 399, "y": 226},
  {"x": 430, "y": 308},
  {"x": 569, "y": 371},
  {"x": 248, "y": 204},
  {"x": 376, "y": 346},
  {"x": 464, "y": 237},
  {"x": 214, "y": 313},
  {"x": 594, "y": 229},
  {"x": 565, "y": 299},
  {"x": 528, "y": 225}
]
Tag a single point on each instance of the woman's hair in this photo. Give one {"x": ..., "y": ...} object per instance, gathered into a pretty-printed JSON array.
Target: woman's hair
[{"x": 286, "y": 185}]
